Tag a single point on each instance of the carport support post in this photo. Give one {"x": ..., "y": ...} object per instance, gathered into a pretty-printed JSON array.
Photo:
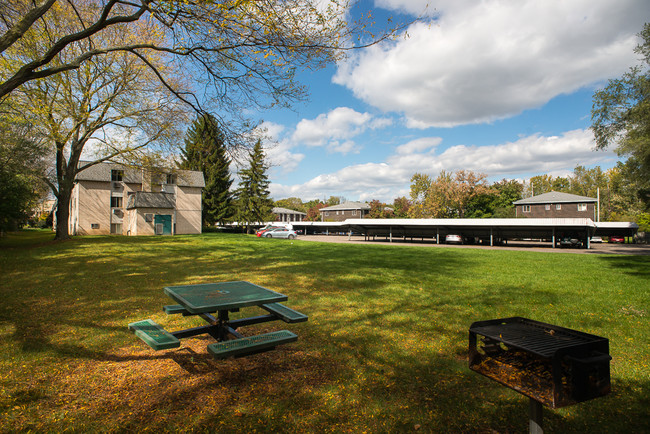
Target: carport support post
[
  {"x": 553, "y": 237},
  {"x": 437, "y": 235},
  {"x": 491, "y": 239},
  {"x": 390, "y": 232}
]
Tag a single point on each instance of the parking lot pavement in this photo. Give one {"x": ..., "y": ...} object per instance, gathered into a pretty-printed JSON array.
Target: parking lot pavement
[{"x": 596, "y": 248}]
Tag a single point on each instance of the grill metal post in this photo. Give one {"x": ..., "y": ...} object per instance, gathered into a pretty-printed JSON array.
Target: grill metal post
[{"x": 535, "y": 423}]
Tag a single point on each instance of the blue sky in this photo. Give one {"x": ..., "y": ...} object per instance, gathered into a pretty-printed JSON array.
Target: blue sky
[{"x": 498, "y": 87}]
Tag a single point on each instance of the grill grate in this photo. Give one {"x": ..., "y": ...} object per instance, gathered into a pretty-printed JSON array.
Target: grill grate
[{"x": 540, "y": 339}]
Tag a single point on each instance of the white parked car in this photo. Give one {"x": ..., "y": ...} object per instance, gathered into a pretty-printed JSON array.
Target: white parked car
[
  {"x": 453, "y": 239},
  {"x": 280, "y": 233},
  {"x": 596, "y": 240}
]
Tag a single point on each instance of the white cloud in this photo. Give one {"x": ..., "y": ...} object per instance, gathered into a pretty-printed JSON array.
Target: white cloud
[
  {"x": 336, "y": 128},
  {"x": 419, "y": 145},
  {"x": 531, "y": 155},
  {"x": 344, "y": 148},
  {"x": 271, "y": 129},
  {"x": 278, "y": 150},
  {"x": 536, "y": 153},
  {"x": 482, "y": 61}
]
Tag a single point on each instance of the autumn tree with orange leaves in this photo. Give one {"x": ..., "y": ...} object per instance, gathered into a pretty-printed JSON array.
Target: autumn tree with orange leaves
[{"x": 447, "y": 196}]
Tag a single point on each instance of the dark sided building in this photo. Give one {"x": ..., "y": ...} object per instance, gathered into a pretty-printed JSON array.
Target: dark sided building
[
  {"x": 557, "y": 205},
  {"x": 344, "y": 211}
]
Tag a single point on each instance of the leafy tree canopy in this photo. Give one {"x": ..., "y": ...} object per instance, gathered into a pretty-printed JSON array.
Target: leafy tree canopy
[
  {"x": 21, "y": 164},
  {"x": 447, "y": 196},
  {"x": 293, "y": 203},
  {"x": 621, "y": 117}
]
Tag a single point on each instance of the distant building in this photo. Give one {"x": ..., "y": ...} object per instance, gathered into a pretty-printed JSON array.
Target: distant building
[
  {"x": 113, "y": 199},
  {"x": 556, "y": 205},
  {"x": 347, "y": 210},
  {"x": 288, "y": 215},
  {"x": 43, "y": 207}
]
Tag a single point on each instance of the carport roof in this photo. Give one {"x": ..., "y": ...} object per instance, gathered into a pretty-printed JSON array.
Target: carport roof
[{"x": 528, "y": 222}]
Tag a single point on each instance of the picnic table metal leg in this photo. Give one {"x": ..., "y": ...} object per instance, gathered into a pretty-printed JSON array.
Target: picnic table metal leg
[
  {"x": 222, "y": 320},
  {"x": 233, "y": 332},
  {"x": 221, "y": 327},
  {"x": 195, "y": 331}
]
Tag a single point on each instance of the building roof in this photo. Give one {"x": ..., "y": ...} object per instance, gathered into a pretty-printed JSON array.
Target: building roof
[
  {"x": 102, "y": 172},
  {"x": 189, "y": 178},
  {"x": 347, "y": 206},
  {"x": 279, "y": 210},
  {"x": 554, "y": 197},
  {"x": 144, "y": 199},
  {"x": 132, "y": 175}
]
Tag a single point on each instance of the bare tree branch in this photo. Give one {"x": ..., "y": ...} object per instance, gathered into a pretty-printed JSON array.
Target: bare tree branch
[
  {"x": 19, "y": 29},
  {"x": 28, "y": 71}
]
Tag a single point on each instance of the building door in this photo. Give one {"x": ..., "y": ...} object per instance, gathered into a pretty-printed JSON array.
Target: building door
[{"x": 163, "y": 224}]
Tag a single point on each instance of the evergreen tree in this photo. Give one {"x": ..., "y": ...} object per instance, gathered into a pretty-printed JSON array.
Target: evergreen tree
[
  {"x": 205, "y": 151},
  {"x": 253, "y": 202}
]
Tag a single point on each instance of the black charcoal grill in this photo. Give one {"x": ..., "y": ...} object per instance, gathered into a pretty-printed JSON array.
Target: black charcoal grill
[{"x": 552, "y": 365}]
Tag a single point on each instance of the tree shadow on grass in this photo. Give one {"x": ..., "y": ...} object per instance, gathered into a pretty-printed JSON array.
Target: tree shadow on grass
[{"x": 632, "y": 265}]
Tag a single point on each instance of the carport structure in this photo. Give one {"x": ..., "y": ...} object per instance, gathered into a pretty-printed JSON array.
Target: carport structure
[{"x": 488, "y": 231}]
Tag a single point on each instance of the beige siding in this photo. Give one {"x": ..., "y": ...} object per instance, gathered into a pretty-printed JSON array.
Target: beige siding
[
  {"x": 74, "y": 212},
  {"x": 188, "y": 210},
  {"x": 94, "y": 208},
  {"x": 131, "y": 222}
]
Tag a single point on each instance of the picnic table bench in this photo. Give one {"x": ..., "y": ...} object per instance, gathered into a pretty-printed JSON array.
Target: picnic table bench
[{"x": 204, "y": 301}]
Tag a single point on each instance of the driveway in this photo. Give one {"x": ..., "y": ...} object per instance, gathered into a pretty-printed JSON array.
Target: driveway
[{"x": 596, "y": 248}]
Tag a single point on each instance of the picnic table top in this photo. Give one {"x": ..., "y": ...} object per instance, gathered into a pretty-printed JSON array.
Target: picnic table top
[{"x": 212, "y": 297}]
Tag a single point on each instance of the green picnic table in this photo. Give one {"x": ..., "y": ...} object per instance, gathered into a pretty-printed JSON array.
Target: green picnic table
[{"x": 206, "y": 300}]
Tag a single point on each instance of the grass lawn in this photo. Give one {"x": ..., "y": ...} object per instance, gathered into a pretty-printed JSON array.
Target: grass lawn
[{"x": 384, "y": 350}]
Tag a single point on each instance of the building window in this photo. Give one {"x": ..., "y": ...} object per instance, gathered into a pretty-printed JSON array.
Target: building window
[
  {"x": 171, "y": 178},
  {"x": 525, "y": 208},
  {"x": 558, "y": 206},
  {"x": 117, "y": 175},
  {"x": 116, "y": 202},
  {"x": 327, "y": 213},
  {"x": 582, "y": 207},
  {"x": 354, "y": 212},
  {"x": 116, "y": 228},
  {"x": 547, "y": 207},
  {"x": 94, "y": 226}
]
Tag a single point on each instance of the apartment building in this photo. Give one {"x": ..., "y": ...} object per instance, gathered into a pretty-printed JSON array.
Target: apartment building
[{"x": 111, "y": 198}]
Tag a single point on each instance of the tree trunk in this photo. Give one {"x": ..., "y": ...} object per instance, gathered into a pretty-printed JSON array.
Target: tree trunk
[
  {"x": 66, "y": 173},
  {"x": 63, "y": 214}
]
